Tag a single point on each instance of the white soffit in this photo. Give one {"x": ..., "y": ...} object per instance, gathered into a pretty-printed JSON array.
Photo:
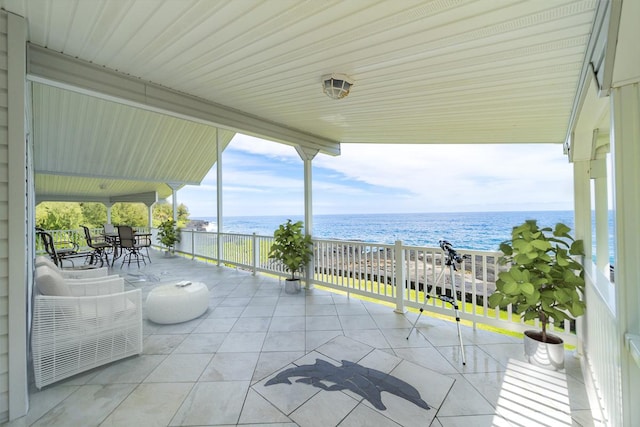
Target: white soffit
[
  {"x": 437, "y": 71},
  {"x": 86, "y": 145}
]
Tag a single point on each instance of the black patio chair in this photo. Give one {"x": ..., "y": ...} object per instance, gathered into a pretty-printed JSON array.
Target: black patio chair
[
  {"x": 99, "y": 247},
  {"x": 129, "y": 245},
  {"x": 62, "y": 250}
]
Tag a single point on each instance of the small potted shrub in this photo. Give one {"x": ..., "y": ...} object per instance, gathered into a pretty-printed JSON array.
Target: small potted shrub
[
  {"x": 293, "y": 249},
  {"x": 168, "y": 235},
  {"x": 543, "y": 282}
]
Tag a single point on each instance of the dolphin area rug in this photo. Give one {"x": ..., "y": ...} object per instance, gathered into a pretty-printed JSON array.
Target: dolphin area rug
[{"x": 346, "y": 382}]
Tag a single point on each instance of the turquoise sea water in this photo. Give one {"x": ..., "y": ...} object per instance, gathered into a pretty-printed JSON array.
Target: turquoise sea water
[{"x": 468, "y": 230}]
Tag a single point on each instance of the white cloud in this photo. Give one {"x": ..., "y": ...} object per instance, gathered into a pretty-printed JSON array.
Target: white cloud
[
  {"x": 462, "y": 177},
  {"x": 265, "y": 178}
]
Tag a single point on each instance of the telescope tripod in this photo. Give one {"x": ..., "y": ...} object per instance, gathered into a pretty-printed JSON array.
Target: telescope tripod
[{"x": 452, "y": 258}]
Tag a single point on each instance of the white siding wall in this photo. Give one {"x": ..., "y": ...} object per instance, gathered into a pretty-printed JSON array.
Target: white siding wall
[
  {"x": 4, "y": 225},
  {"x": 13, "y": 214}
]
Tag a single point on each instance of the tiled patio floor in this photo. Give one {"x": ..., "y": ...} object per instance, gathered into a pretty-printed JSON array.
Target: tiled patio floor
[{"x": 214, "y": 370}]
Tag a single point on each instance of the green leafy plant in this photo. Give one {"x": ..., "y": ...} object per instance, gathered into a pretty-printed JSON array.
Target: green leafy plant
[
  {"x": 168, "y": 234},
  {"x": 544, "y": 281},
  {"x": 291, "y": 247}
]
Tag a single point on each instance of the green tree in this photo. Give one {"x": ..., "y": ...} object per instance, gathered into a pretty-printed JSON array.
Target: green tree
[
  {"x": 58, "y": 215},
  {"x": 94, "y": 214},
  {"x": 163, "y": 211},
  {"x": 183, "y": 215},
  {"x": 133, "y": 214},
  {"x": 71, "y": 215}
]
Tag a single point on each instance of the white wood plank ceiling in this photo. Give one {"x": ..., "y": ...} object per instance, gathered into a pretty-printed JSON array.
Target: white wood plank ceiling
[
  {"x": 86, "y": 148},
  {"x": 441, "y": 71}
]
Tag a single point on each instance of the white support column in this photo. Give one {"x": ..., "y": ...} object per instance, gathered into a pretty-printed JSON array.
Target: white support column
[
  {"x": 307, "y": 156},
  {"x": 582, "y": 209},
  {"x": 150, "y": 216},
  {"x": 625, "y": 148},
  {"x": 108, "y": 206},
  {"x": 582, "y": 204},
  {"x": 174, "y": 197},
  {"x": 219, "y": 211},
  {"x": 599, "y": 175}
]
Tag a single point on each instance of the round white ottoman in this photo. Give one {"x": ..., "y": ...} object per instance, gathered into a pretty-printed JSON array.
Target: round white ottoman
[{"x": 177, "y": 302}]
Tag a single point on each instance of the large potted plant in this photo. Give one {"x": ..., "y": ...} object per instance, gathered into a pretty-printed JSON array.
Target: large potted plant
[
  {"x": 545, "y": 282},
  {"x": 168, "y": 235},
  {"x": 293, "y": 249}
]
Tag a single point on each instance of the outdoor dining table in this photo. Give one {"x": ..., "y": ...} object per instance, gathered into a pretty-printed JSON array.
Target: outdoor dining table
[{"x": 114, "y": 239}]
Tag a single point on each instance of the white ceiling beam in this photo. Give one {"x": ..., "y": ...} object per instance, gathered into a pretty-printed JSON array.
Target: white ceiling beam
[
  {"x": 113, "y": 177},
  {"x": 56, "y": 69},
  {"x": 147, "y": 198}
]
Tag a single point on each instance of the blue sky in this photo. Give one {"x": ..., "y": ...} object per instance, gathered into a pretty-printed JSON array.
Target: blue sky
[{"x": 266, "y": 178}]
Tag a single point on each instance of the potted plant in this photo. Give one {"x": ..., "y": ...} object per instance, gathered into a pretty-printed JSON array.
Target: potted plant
[
  {"x": 168, "y": 235},
  {"x": 293, "y": 249},
  {"x": 543, "y": 282}
]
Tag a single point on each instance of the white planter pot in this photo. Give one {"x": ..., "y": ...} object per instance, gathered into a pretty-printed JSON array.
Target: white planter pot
[
  {"x": 549, "y": 355},
  {"x": 292, "y": 286}
]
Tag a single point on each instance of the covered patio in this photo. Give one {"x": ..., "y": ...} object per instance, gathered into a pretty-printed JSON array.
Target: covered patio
[
  {"x": 130, "y": 100},
  {"x": 213, "y": 370}
]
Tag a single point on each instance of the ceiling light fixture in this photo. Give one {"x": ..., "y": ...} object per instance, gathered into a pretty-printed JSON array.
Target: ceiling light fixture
[{"x": 336, "y": 86}]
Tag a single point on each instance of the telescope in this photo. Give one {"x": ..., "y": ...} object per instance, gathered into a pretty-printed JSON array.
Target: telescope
[
  {"x": 452, "y": 298},
  {"x": 452, "y": 255}
]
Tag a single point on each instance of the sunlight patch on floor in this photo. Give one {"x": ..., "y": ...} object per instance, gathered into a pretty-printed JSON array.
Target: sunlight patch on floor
[{"x": 533, "y": 396}]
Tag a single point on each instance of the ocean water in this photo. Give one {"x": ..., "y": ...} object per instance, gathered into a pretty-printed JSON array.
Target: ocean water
[{"x": 468, "y": 230}]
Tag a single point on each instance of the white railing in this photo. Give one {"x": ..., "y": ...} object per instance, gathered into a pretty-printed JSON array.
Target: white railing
[
  {"x": 367, "y": 269},
  {"x": 371, "y": 270},
  {"x": 602, "y": 346}
]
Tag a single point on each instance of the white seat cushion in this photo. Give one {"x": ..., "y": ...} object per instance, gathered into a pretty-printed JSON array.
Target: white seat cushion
[
  {"x": 50, "y": 282},
  {"x": 42, "y": 260}
]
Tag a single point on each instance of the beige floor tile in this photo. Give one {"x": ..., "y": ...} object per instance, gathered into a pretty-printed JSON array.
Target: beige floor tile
[
  {"x": 284, "y": 341},
  {"x": 212, "y": 403},
  {"x": 464, "y": 400},
  {"x": 343, "y": 348},
  {"x": 288, "y": 323},
  {"x": 323, "y": 323},
  {"x": 363, "y": 416},
  {"x": 162, "y": 343},
  {"x": 201, "y": 343},
  {"x": 252, "y": 324},
  {"x": 179, "y": 368},
  {"x": 230, "y": 367},
  {"x": 371, "y": 337},
  {"x": 270, "y": 362},
  {"x": 237, "y": 342},
  {"x": 313, "y": 412},
  {"x": 96, "y": 402},
  {"x": 257, "y": 410},
  {"x": 133, "y": 370},
  {"x": 148, "y": 405},
  {"x": 286, "y": 397}
]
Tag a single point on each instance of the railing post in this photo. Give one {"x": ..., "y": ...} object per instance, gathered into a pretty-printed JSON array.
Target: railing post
[
  {"x": 256, "y": 253},
  {"x": 309, "y": 270},
  {"x": 399, "y": 277},
  {"x": 193, "y": 244}
]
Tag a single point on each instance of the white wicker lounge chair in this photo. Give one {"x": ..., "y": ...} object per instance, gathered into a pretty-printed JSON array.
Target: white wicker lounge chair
[{"x": 79, "y": 324}]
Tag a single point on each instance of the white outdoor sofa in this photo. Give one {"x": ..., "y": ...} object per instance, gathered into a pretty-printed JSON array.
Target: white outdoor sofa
[{"x": 79, "y": 324}]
